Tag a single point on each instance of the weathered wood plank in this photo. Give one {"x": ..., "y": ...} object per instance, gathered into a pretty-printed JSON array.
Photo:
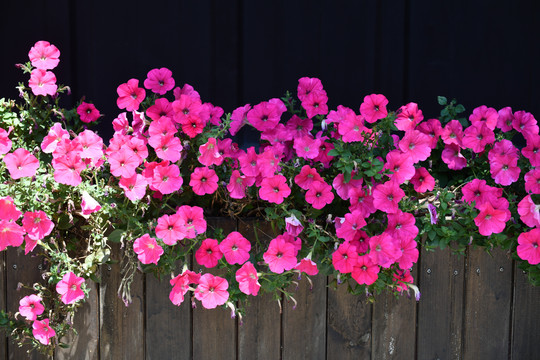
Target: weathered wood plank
[
  {"x": 259, "y": 336},
  {"x": 525, "y": 318},
  {"x": 486, "y": 334},
  {"x": 394, "y": 326},
  {"x": 122, "y": 328},
  {"x": 168, "y": 327},
  {"x": 214, "y": 332},
  {"x": 3, "y": 279},
  {"x": 349, "y": 325},
  {"x": 304, "y": 327},
  {"x": 440, "y": 309},
  {"x": 85, "y": 344},
  {"x": 27, "y": 270}
]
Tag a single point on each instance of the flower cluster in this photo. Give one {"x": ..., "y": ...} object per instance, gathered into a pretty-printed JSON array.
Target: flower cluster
[{"x": 348, "y": 193}]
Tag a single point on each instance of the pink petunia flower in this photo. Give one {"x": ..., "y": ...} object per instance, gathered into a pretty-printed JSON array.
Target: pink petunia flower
[
  {"x": 194, "y": 221},
  {"x": 365, "y": 271},
  {"x": 212, "y": 291},
  {"x": 280, "y": 256},
  {"x": 408, "y": 116},
  {"x": 451, "y": 156},
  {"x": 235, "y": 248},
  {"x": 352, "y": 128},
  {"x": 529, "y": 212},
  {"x": 383, "y": 250},
  {"x": 452, "y": 133},
  {"x": 307, "y": 147},
  {"x": 490, "y": 220},
  {"x": 308, "y": 85},
  {"x": 409, "y": 253},
  {"x": 68, "y": 168},
  {"x": 37, "y": 225},
  {"x": 307, "y": 266},
  {"x": 203, "y": 181},
  {"x": 170, "y": 228},
  {"x": 11, "y": 234},
  {"x": 274, "y": 189},
  {"x": 306, "y": 177},
  {"x": 88, "y": 112},
  {"x": 29, "y": 245},
  {"x": 506, "y": 118},
  {"x": 248, "y": 280},
  {"x": 343, "y": 188},
  {"x": 422, "y": 180},
  {"x": 432, "y": 128},
  {"x": 374, "y": 107},
  {"x": 351, "y": 225},
  {"x": 315, "y": 103},
  {"x": 529, "y": 246},
  {"x": 30, "y": 307},
  {"x": 345, "y": 257},
  {"x": 401, "y": 165},
  {"x": 147, "y": 249},
  {"x": 532, "y": 181},
  {"x": 401, "y": 225},
  {"x": 416, "y": 145},
  {"x": 43, "y": 55},
  {"x": 525, "y": 123},
  {"x": 210, "y": 154},
  {"x": 89, "y": 205},
  {"x": 130, "y": 95},
  {"x": 386, "y": 196},
  {"x": 134, "y": 187},
  {"x": 293, "y": 226},
  {"x": 483, "y": 114},
  {"x": 477, "y": 136},
  {"x": 42, "y": 331},
  {"x": 167, "y": 147},
  {"x": 42, "y": 82},
  {"x": 180, "y": 285},
  {"x": 238, "y": 184},
  {"x": 56, "y": 134},
  {"x": 92, "y": 145},
  {"x": 264, "y": 116},
  {"x": 162, "y": 109},
  {"x": 123, "y": 162},
  {"x": 69, "y": 288},
  {"x": 8, "y": 210},
  {"x": 21, "y": 163},
  {"x": 239, "y": 118},
  {"x": 159, "y": 81},
  {"x": 5, "y": 142},
  {"x": 208, "y": 253},
  {"x": 166, "y": 179},
  {"x": 319, "y": 194}
]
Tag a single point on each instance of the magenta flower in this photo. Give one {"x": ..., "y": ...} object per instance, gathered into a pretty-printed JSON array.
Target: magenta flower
[
  {"x": 529, "y": 212},
  {"x": 319, "y": 194},
  {"x": 186, "y": 111},
  {"x": 68, "y": 168},
  {"x": 21, "y": 163},
  {"x": 401, "y": 165},
  {"x": 452, "y": 133},
  {"x": 92, "y": 145},
  {"x": 203, "y": 181},
  {"x": 239, "y": 118},
  {"x": 238, "y": 184},
  {"x": 451, "y": 155},
  {"x": 274, "y": 189},
  {"x": 170, "y": 228},
  {"x": 307, "y": 147},
  {"x": 11, "y": 234},
  {"x": 525, "y": 123},
  {"x": 88, "y": 112},
  {"x": 315, "y": 103},
  {"x": 386, "y": 196},
  {"x": 210, "y": 154},
  {"x": 8, "y": 210},
  {"x": 248, "y": 280},
  {"x": 212, "y": 291},
  {"x": 123, "y": 162},
  {"x": 181, "y": 285},
  {"x": 280, "y": 256},
  {"x": 293, "y": 226},
  {"x": 351, "y": 225},
  {"x": 477, "y": 136},
  {"x": 167, "y": 147},
  {"x": 44, "y": 55},
  {"x": 307, "y": 266},
  {"x": 401, "y": 225},
  {"x": 89, "y": 205},
  {"x": 383, "y": 250},
  {"x": 235, "y": 248},
  {"x": 147, "y": 249},
  {"x": 208, "y": 253},
  {"x": 352, "y": 128},
  {"x": 477, "y": 190},
  {"x": 506, "y": 118},
  {"x": 130, "y": 95},
  {"x": 306, "y": 177},
  {"x": 342, "y": 188},
  {"x": 308, "y": 85},
  {"x": 416, "y": 145},
  {"x": 42, "y": 331},
  {"x": 264, "y": 116},
  {"x": 409, "y": 253},
  {"x": 167, "y": 179},
  {"x": 529, "y": 246},
  {"x": 134, "y": 187},
  {"x": 162, "y": 109},
  {"x": 345, "y": 257},
  {"x": 5, "y": 142},
  {"x": 432, "y": 128},
  {"x": 56, "y": 133},
  {"x": 159, "y": 81},
  {"x": 69, "y": 288},
  {"x": 504, "y": 169},
  {"x": 374, "y": 107},
  {"x": 408, "y": 116},
  {"x": 490, "y": 220},
  {"x": 483, "y": 114},
  {"x": 30, "y": 307},
  {"x": 42, "y": 82},
  {"x": 422, "y": 180},
  {"x": 37, "y": 225},
  {"x": 532, "y": 181},
  {"x": 365, "y": 271},
  {"x": 193, "y": 219}
]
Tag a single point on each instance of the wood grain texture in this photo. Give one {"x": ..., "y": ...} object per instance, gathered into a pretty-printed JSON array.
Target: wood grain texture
[
  {"x": 304, "y": 326},
  {"x": 122, "y": 328},
  {"x": 85, "y": 344},
  {"x": 214, "y": 332},
  {"x": 168, "y": 327},
  {"x": 525, "y": 318},
  {"x": 259, "y": 335},
  {"x": 394, "y": 326},
  {"x": 440, "y": 309},
  {"x": 486, "y": 333},
  {"x": 349, "y": 325},
  {"x": 27, "y": 270}
]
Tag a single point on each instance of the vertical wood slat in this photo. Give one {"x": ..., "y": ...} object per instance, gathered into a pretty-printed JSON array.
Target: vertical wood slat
[
  {"x": 259, "y": 336},
  {"x": 349, "y": 325},
  {"x": 122, "y": 328},
  {"x": 168, "y": 327},
  {"x": 487, "y": 308},
  {"x": 84, "y": 345},
  {"x": 525, "y": 318},
  {"x": 23, "y": 269},
  {"x": 394, "y": 326},
  {"x": 3, "y": 276},
  {"x": 304, "y": 327},
  {"x": 440, "y": 309},
  {"x": 214, "y": 332}
]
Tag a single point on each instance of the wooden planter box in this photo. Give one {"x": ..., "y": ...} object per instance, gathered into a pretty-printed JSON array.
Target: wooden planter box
[{"x": 473, "y": 307}]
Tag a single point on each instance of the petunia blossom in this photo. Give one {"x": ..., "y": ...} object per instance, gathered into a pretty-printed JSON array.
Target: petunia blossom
[
  {"x": 30, "y": 307},
  {"x": 37, "y": 225},
  {"x": 42, "y": 331},
  {"x": 248, "y": 280},
  {"x": 147, "y": 249},
  {"x": 212, "y": 291},
  {"x": 69, "y": 288},
  {"x": 21, "y": 163}
]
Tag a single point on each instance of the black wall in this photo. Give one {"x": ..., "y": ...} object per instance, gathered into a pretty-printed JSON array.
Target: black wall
[{"x": 237, "y": 52}]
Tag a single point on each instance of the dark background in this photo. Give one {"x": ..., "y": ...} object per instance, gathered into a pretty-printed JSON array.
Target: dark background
[{"x": 236, "y": 52}]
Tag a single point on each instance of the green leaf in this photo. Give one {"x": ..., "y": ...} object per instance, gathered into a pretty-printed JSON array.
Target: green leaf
[
  {"x": 116, "y": 236},
  {"x": 459, "y": 109},
  {"x": 333, "y": 152},
  {"x": 442, "y": 100}
]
